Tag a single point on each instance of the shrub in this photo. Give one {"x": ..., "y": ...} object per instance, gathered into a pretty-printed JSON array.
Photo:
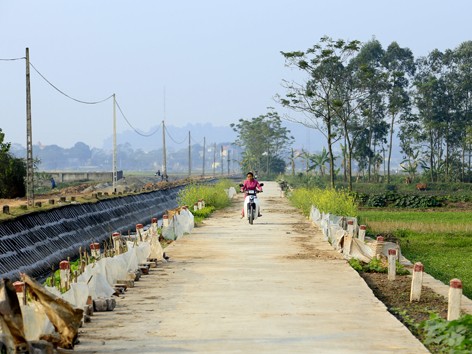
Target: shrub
[
  {"x": 213, "y": 195},
  {"x": 338, "y": 202},
  {"x": 450, "y": 336},
  {"x": 376, "y": 266}
]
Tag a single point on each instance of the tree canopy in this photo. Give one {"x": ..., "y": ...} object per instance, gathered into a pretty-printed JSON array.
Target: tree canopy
[
  {"x": 359, "y": 94},
  {"x": 265, "y": 143},
  {"x": 12, "y": 172}
]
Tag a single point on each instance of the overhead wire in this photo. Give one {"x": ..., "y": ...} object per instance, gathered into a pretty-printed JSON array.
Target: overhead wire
[
  {"x": 65, "y": 94},
  {"x": 132, "y": 127},
  {"x": 12, "y": 59},
  {"x": 171, "y": 138},
  {"x": 87, "y": 102}
]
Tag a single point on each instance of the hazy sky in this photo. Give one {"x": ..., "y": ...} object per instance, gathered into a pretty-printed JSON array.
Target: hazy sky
[{"x": 217, "y": 60}]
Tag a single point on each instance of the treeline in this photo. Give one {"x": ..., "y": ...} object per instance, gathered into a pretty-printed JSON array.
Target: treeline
[
  {"x": 82, "y": 157},
  {"x": 360, "y": 94}
]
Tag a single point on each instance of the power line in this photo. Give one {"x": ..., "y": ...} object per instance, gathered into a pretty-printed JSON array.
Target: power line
[
  {"x": 84, "y": 102},
  {"x": 171, "y": 138},
  {"x": 65, "y": 94},
  {"x": 136, "y": 130},
  {"x": 12, "y": 59}
]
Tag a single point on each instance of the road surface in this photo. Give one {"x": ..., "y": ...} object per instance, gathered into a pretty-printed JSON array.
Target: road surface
[{"x": 230, "y": 287}]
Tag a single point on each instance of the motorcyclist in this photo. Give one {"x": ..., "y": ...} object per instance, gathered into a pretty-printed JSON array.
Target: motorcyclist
[{"x": 250, "y": 184}]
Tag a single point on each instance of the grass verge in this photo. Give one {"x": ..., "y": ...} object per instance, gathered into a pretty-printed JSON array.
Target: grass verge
[{"x": 442, "y": 241}]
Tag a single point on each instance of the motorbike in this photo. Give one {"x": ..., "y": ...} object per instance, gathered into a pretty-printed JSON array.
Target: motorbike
[{"x": 251, "y": 204}]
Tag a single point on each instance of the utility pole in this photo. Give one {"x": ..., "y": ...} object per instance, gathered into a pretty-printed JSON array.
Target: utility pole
[
  {"x": 189, "y": 155},
  {"x": 214, "y": 160},
  {"x": 228, "y": 160},
  {"x": 29, "y": 138},
  {"x": 114, "y": 144},
  {"x": 164, "y": 159},
  {"x": 222, "y": 170},
  {"x": 203, "y": 165}
]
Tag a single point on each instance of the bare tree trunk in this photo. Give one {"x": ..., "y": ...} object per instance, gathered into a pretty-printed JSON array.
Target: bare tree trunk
[
  {"x": 390, "y": 148},
  {"x": 431, "y": 157},
  {"x": 331, "y": 157},
  {"x": 463, "y": 164}
]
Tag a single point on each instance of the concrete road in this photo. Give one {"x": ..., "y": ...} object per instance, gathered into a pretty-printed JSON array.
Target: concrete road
[{"x": 230, "y": 287}]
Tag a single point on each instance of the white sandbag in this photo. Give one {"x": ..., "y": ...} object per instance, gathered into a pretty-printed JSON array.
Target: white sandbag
[
  {"x": 142, "y": 252},
  {"x": 99, "y": 287},
  {"x": 187, "y": 220},
  {"x": 230, "y": 192},
  {"x": 53, "y": 290},
  {"x": 156, "y": 249},
  {"x": 35, "y": 322},
  {"x": 131, "y": 257},
  {"x": 120, "y": 266},
  {"x": 77, "y": 295}
]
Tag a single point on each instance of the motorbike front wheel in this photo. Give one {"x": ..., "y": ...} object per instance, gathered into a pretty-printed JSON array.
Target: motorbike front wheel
[{"x": 250, "y": 213}]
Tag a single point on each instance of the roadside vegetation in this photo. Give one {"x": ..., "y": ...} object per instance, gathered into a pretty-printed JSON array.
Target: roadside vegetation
[
  {"x": 215, "y": 197},
  {"x": 338, "y": 202},
  {"x": 442, "y": 241}
]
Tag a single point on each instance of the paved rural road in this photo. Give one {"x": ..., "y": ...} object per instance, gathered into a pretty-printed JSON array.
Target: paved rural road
[{"x": 231, "y": 287}]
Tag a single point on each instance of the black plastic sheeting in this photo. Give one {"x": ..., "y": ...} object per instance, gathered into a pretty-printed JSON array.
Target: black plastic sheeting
[{"x": 33, "y": 243}]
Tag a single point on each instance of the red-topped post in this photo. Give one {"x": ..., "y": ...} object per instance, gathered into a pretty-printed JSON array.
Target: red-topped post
[
  {"x": 416, "y": 282},
  {"x": 392, "y": 263},
  {"x": 64, "y": 271},
  {"x": 362, "y": 230},
  {"x": 455, "y": 297}
]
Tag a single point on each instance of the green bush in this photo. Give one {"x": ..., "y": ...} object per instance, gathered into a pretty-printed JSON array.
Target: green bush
[
  {"x": 338, "y": 202},
  {"x": 376, "y": 266},
  {"x": 203, "y": 213},
  {"x": 213, "y": 195},
  {"x": 448, "y": 336},
  {"x": 356, "y": 264},
  {"x": 397, "y": 200}
]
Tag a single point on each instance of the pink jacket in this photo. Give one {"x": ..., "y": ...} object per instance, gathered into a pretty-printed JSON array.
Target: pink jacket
[{"x": 251, "y": 185}]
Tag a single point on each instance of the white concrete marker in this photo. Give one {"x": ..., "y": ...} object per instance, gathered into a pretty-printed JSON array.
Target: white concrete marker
[
  {"x": 64, "y": 271},
  {"x": 416, "y": 282},
  {"x": 379, "y": 245},
  {"x": 95, "y": 250},
  {"x": 350, "y": 228},
  {"x": 392, "y": 263},
  {"x": 347, "y": 243},
  {"x": 361, "y": 235},
  {"x": 153, "y": 228},
  {"x": 139, "y": 230},
  {"x": 20, "y": 291},
  {"x": 454, "y": 304},
  {"x": 165, "y": 220},
  {"x": 116, "y": 237},
  {"x": 195, "y": 207}
]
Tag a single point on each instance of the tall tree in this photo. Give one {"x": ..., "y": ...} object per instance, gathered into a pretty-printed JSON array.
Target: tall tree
[
  {"x": 316, "y": 98},
  {"x": 265, "y": 143},
  {"x": 400, "y": 67},
  {"x": 368, "y": 63}
]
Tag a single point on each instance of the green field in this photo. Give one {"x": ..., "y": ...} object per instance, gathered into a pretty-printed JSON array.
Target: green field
[{"x": 442, "y": 241}]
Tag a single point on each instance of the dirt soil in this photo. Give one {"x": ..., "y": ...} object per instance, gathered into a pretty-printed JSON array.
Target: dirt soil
[{"x": 396, "y": 296}]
